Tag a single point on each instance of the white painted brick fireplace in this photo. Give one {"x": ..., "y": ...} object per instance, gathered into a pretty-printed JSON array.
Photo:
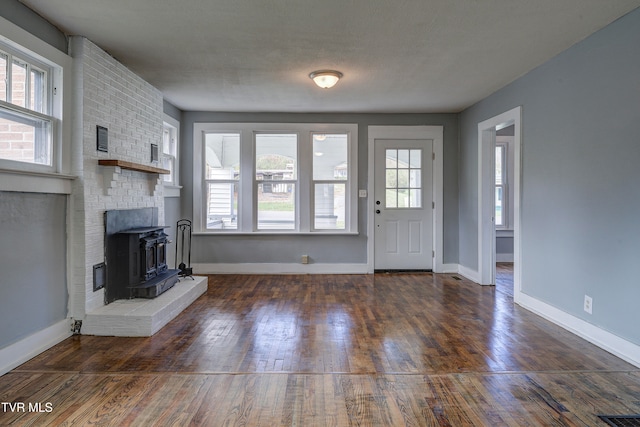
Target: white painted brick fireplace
[{"x": 108, "y": 94}]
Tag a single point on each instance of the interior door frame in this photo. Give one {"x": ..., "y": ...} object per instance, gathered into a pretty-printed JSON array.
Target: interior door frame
[
  {"x": 486, "y": 196},
  {"x": 434, "y": 133}
]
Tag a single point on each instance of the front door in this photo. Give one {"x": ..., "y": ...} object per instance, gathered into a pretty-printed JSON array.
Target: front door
[{"x": 403, "y": 209}]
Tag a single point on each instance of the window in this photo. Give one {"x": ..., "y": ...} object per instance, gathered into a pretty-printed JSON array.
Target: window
[
  {"x": 26, "y": 118},
  {"x": 275, "y": 178},
  {"x": 222, "y": 176},
  {"x": 169, "y": 160},
  {"x": 330, "y": 177},
  {"x": 501, "y": 213},
  {"x": 403, "y": 181}
]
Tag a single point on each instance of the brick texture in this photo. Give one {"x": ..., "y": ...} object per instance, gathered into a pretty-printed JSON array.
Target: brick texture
[{"x": 110, "y": 95}]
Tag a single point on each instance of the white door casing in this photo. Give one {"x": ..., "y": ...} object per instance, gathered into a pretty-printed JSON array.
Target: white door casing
[
  {"x": 406, "y": 238},
  {"x": 403, "y": 204},
  {"x": 486, "y": 202}
]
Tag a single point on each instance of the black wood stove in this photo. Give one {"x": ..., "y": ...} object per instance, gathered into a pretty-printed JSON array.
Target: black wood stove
[{"x": 137, "y": 261}]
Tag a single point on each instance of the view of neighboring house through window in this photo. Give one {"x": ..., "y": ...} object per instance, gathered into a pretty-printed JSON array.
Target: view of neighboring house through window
[
  {"x": 276, "y": 178},
  {"x": 501, "y": 214},
  {"x": 330, "y": 175},
  {"x": 222, "y": 176},
  {"x": 270, "y": 178},
  {"x": 25, "y": 111}
]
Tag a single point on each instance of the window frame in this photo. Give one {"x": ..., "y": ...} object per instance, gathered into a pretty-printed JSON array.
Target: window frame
[
  {"x": 295, "y": 182},
  {"x": 47, "y": 114},
  {"x": 235, "y": 181},
  {"x": 349, "y": 189},
  {"x": 247, "y": 185},
  {"x": 504, "y": 186},
  {"x": 172, "y": 186},
  {"x": 54, "y": 176}
]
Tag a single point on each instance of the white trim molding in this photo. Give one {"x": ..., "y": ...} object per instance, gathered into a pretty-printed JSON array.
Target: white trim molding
[
  {"x": 486, "y": 193},
  {"x": 279, "y": 268},
  {"x": 614, "y": 344},
  {"x": 434, "y": 133},
  {"x": 16, "y": 354}
]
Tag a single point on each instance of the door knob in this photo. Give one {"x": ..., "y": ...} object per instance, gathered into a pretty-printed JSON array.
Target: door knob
[{"x": 378, "y": 211}]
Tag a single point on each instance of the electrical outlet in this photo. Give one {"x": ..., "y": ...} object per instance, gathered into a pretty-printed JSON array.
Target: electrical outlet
[
  {"x": 588, "y": 304},
  {"x": 305, "y": 259}
]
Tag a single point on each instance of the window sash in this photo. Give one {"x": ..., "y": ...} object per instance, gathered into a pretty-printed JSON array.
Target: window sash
[
  {"x": 28, "y": 137},
  {"x": 26, "y": 82},
  {"x": 325, "y": 215},
  {"x": 28, "y": 131},
  {"x": 501, "y": 208}
]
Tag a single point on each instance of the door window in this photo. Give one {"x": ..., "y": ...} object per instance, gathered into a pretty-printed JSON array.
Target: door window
[{"x": 403, "y": 180}]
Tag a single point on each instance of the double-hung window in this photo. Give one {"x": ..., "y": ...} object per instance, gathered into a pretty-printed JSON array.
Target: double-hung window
[
  {"x": 330, "y": 180},
  {"x": 275, "y": 178},
  {"x": 170, "y": 151},
  {"x": 276, "y": 166},
  {"x": 221, "y": 171},
  {"x": 501, "y": 206},
  {"x": 26, "y": 110}
]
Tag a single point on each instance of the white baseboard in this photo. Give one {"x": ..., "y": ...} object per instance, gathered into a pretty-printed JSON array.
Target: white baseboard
[
  {"x": 16, "y": 354},
  {"x": 472, "y": 275},
  {"x": 264, "y": 268},
  {"x": 504, "y": 257},
  {"x": 614, "y": 344},
  {"x": 449, "y": 268}
]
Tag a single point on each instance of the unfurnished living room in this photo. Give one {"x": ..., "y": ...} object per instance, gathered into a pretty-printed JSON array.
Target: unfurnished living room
[{"x": 372, "y": 213}]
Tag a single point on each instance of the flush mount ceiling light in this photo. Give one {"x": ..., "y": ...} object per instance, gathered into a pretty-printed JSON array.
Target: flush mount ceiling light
[{"x": 325, "y": 78}]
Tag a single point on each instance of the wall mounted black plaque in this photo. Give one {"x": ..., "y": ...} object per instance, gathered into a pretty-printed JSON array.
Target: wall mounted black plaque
[
  {"x": 99, "y": 276},
  {"x": 154, "y": 152},
  {"x": 102, "y": 138}
]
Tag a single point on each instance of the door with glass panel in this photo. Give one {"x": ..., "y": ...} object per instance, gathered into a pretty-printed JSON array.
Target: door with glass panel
[{"x": 403, "y": 209}]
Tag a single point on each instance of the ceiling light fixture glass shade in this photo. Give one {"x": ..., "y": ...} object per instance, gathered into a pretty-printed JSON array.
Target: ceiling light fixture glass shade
[{"x": 326, "y": 78}]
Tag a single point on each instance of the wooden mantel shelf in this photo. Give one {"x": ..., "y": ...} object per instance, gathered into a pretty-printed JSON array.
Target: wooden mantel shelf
[{"x": 133, "y": 166}]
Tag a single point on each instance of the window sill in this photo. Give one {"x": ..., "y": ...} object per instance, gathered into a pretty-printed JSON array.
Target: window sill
[
  {"x": 172, "y": 190},
  {"x": 275, "y": 233},
  {"x": 35, "y": 182}
]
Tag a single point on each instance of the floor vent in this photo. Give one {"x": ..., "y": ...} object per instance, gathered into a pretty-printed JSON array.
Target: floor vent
[
  {"x": 621, "y": 420},
  {"x": 456, "y": 277}
]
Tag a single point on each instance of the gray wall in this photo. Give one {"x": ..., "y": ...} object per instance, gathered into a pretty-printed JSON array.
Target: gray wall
[
  {"x": 33, "y": 282},
  {"x": 171, "y": 204},
  {"x": 22, "y": 16},
  {"x": 171, "y": 217},
  {"x": 580, "y": 177},
  {"x": 321, "y": 249},
  {"x": 171, "y": 110}
]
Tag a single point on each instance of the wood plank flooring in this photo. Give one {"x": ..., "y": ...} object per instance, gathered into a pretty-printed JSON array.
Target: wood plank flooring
[{"x": 330, "y": 350}]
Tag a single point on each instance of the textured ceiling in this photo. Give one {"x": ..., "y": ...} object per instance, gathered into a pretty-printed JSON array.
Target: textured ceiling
[{"x": 396, "y": 56}]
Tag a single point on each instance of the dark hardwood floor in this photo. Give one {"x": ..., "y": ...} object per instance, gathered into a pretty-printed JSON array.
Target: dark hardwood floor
[{"x": 331, "y": 350}]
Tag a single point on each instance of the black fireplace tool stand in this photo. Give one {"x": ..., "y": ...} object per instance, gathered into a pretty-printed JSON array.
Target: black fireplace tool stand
[{"x": 183, "y": 248}]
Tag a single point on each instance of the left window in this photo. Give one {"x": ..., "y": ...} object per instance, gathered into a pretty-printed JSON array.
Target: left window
[{"x": 26, "y": 117}]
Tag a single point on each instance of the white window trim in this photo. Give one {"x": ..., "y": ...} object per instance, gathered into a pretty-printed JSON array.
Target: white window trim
[
  {"x": 42, "y": 178},
  {"x": 505, "y": 186},
  {"x": 247, "y": 186},
  {"x": 172, "y": 189}
]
